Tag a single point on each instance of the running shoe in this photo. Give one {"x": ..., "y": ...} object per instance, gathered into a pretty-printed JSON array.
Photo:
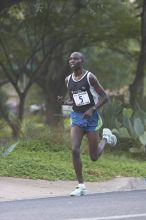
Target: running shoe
[
  {"x": 109, "y": 136},
  {"x": 79, "y": 191}
]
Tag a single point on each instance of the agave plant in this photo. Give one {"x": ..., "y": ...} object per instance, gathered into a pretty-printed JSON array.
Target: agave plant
[
  {"x": 111, "y": 113},
  {"x": 134, "y": 127}
]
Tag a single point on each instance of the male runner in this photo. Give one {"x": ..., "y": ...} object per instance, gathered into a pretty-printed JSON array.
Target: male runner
[{"x": 86, "y": 97}]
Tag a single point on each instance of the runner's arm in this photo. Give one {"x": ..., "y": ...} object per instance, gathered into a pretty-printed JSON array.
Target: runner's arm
[{"x": 103, "y": 98}]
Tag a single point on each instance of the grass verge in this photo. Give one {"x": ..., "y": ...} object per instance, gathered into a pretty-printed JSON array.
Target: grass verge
[{"x": 50, "y": 161}]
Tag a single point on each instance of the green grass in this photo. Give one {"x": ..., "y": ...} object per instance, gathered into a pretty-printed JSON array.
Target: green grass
[{"x": 51, "y": 161}]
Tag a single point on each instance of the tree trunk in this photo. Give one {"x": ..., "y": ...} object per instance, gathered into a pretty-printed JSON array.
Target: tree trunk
[
  {"x": 53, "y": 87},
  {"x": 12, "y": 123},
  {"x": 53, "y": 111},
  {"x": 137, "y": 87},
  {"x": 22, "y": 98}
]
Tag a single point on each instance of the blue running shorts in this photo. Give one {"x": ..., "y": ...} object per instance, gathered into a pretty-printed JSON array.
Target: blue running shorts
[{"x": 93, "y": 123}]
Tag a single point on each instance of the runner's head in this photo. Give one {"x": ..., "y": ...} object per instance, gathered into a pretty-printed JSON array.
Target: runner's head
[{"x": 76, "y": 60}]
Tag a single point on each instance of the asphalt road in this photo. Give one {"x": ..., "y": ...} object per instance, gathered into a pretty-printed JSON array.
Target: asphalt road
[{"x": 128, "y": 205}]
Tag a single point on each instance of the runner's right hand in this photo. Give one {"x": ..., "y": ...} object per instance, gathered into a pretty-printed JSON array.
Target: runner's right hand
[{"x": 60, "y": 100}]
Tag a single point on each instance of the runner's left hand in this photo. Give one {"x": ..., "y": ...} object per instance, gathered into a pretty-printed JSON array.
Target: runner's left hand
[{"x": 88, "y": 113}]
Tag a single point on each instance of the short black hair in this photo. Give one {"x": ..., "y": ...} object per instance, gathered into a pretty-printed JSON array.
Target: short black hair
[{"x": 81, "y": 55}]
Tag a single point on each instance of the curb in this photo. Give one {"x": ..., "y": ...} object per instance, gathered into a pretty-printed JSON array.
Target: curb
[{"x": 20, "y": 189}]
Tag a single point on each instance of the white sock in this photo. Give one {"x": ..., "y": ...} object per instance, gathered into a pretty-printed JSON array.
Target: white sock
[{"x": 82, "y": 185}]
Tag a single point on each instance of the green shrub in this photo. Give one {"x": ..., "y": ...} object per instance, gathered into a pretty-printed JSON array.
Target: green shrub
[
  {"x": 111, "y": 113},
  {"x": 41, "y": 145}
]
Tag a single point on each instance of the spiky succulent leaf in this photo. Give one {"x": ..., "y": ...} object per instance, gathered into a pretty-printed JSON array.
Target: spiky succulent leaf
[
  {"x": 142, "y": 138},
  {"x": 135, "y": 150},
  {"x": 127, "y": 112},
  {"x": 138, "y": 126},
  {"x": 123, "y": 132}
]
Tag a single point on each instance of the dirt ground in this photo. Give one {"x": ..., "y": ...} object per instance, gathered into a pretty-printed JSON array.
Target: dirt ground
[{"x": 19, "y": 189}]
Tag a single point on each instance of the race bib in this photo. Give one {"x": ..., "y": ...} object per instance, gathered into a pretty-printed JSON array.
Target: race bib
[{"x": 81, "y": 98}]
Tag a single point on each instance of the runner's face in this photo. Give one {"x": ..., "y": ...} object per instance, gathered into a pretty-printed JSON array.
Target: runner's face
[{"x": 75, "y": 61}]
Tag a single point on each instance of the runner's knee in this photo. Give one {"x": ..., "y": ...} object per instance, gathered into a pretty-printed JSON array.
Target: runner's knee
[{"x": 76, "y": 153}]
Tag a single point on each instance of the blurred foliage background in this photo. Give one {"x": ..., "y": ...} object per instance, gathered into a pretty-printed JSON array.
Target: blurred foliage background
[{"x": 36, "y": 39}]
